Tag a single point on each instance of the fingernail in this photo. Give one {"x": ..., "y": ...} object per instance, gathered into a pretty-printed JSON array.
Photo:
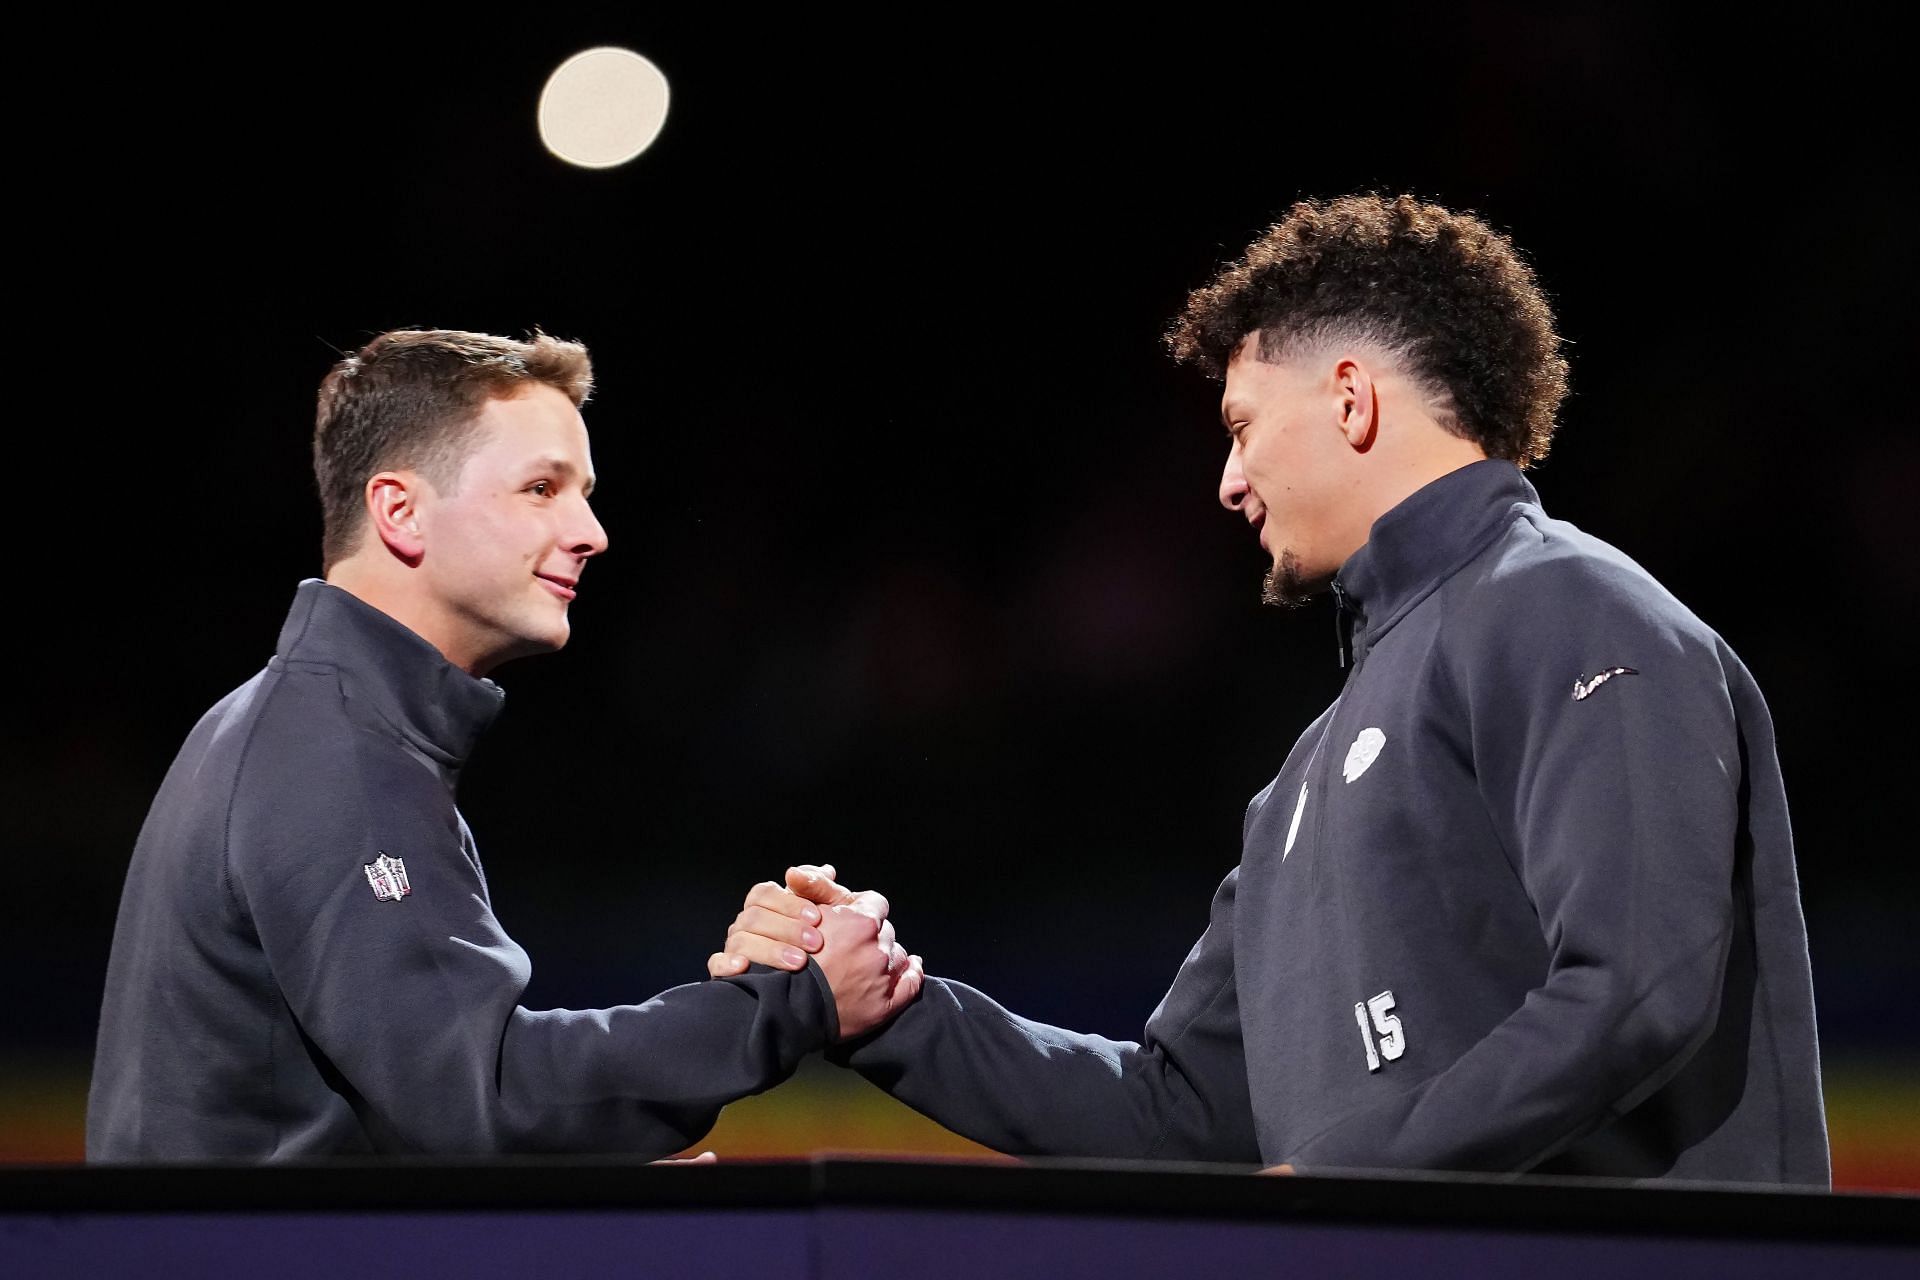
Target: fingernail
[
  {"x": 811, "y": 915},
  {"x": 793, "y": 958},
  {"x": 810, "y": 939}
]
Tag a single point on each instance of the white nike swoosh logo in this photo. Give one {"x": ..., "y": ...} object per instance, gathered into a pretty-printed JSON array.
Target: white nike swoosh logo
[{"x": 1581, "y": 691}]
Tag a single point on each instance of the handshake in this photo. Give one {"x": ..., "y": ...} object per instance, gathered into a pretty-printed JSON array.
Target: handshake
[{"x": 846, "y": 933}]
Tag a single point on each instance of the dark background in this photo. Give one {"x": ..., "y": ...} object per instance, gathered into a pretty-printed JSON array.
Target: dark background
[{"x": 916, "y": 562}]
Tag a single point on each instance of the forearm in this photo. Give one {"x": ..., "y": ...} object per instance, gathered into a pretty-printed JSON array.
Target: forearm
[
  {"x": 651, "y": 1078},
  {"x": 1030, "y": 1089}
]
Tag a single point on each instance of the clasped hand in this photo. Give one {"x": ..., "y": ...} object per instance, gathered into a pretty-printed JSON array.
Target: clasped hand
[{"x": 846, "y": 933}]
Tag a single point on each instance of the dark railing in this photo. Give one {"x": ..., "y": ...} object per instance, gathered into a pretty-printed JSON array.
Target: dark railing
[{"x": 854, "y": 1217}]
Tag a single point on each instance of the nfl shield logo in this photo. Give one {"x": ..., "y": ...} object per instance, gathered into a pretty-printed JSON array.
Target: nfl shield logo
[{"x": 388, "y": 876}]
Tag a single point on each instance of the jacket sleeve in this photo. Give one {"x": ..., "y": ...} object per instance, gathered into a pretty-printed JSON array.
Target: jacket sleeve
[
  {"x": 1619, "y": 813},
  {"x": 1026, "y": 1088},
  {"x": 411, "y": 1008}
]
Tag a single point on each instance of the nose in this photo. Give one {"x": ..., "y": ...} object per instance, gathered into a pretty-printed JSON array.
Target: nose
[
  {"x": 586, "y": 537},
  {"x": 1233, "y": 482}
]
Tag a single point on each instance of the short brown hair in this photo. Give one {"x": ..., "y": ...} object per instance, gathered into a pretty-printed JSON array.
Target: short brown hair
[
  {"x": 1443, "y": 291},
  {"x": 406, "y": 399}
]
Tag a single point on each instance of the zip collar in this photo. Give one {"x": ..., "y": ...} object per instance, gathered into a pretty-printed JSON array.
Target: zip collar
[
  {"x": 436, "y": 707},
  {"x": 1421, "y": 543}
]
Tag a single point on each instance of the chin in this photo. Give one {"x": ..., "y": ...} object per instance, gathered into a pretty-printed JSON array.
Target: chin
[
  {"x": 546, "y": 632},
  {"x": 1289, "y": 585},
  {"x": 531, "y": 644},
  {"x": 549, "y": 641}
]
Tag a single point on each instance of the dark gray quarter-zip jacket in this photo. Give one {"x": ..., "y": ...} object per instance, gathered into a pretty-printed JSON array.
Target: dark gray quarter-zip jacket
[
  {"x": 1522, "y": 899},
  {"x": 269, "y": 999}
]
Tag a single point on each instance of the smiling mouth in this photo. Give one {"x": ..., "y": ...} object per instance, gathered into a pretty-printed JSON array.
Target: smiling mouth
[{"x": 562, "y": 587}]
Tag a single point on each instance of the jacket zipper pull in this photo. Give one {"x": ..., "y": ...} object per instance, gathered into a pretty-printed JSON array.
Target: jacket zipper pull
[{"x": 1342, "y": 624}]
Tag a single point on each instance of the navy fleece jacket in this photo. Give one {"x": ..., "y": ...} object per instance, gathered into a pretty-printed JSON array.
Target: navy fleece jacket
[
  {"x": 1522, "y": 899},
  {"x": 266, "y": 1000}
]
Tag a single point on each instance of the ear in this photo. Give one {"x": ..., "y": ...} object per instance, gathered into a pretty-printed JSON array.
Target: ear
[
  {"x": 1356, "y": 406},
  {"x": 393, "y": 512}
]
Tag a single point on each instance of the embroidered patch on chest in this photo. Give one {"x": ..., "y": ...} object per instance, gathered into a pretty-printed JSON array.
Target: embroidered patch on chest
[
  {"x": 388, "y": 876},
  {"x": 1581, "y": 692},
  {"x": 1364, "y": 751}
]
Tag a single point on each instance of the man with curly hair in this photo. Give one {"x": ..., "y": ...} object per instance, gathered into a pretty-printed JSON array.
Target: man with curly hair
[{"x": 1523, "y": 899}]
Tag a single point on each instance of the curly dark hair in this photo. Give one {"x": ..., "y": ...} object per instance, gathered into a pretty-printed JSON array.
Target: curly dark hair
[
  {"x": 1444, "y": 292},
  {"x": 407, "y": 398}
]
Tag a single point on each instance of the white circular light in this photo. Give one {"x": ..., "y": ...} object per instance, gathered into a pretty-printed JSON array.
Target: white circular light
[{"x": 602, "y": 107}]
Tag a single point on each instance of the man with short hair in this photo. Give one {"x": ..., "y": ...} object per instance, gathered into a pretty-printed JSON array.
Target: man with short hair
[
  {"x": 306, "y": 961},
  {"x": 1523, "y": 898}
]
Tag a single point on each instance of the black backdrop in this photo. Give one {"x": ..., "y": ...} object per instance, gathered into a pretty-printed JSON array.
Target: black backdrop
[{"x": 916, "y": 564}]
